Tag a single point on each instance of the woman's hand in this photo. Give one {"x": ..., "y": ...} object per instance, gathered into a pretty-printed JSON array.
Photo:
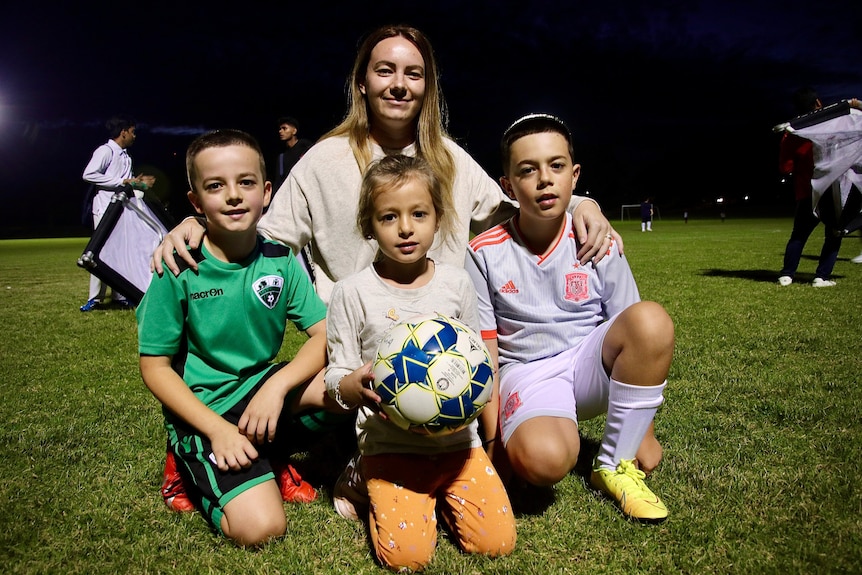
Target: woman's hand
[
  {"x": 189, "y": 231},
  {"x": 594, "y": 233}
]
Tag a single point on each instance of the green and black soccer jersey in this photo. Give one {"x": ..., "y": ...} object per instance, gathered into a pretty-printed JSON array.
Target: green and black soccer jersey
[{"x": 225, "y": 323}]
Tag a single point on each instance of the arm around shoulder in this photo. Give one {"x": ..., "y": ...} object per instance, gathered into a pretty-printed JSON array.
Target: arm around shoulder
[
  {"x": 288, "y": 218},
  {"x": 188, "y": 234},
  {"x": 577, "y": 200},
  {"x": 592, "y": 230}
]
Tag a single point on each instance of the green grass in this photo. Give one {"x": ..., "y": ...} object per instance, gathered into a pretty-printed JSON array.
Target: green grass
[{"x": 761, "y": 429}]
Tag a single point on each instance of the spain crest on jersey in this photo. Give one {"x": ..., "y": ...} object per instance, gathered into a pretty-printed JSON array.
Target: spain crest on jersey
[
  {"x": 577, "y": 286},
  {"x": 268, "y": 290}
]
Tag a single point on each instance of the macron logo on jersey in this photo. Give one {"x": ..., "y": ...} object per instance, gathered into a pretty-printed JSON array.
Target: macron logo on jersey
[{"x": 509, "y": 287}]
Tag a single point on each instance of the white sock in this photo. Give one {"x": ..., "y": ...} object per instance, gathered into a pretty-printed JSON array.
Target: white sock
[{"x": 631, "y": 409}]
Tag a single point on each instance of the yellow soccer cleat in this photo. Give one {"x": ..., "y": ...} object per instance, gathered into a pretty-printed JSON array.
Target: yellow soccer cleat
[{"x": 626, "y": 487}]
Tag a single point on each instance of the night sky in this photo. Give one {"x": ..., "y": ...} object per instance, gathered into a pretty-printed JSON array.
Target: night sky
[{"x": 671, "y": 99}]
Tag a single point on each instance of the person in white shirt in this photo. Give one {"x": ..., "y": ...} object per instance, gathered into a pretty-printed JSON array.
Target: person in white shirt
[
  {"x": 402, "y": 476},
  {"x": 109, "y": 169}
]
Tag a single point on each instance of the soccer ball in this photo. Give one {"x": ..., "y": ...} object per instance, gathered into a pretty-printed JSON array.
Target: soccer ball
[{"x": 433, "y": 374}]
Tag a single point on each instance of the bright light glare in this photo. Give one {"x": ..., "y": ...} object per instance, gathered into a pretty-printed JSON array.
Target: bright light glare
[{"x": 719, "y": 201}]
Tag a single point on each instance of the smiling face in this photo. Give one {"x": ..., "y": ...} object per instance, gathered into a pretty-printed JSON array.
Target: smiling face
[
  {"x": 404, "y": 222},
  {"x": 229, "y": 189},
  {"x": 394, "y": 85},
  {"x": 541, "y": 176}
]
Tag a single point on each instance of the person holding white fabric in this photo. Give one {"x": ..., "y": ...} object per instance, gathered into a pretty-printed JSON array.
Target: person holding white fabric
[
  {"x": 108, "y": 170},
  {"x": 796, "y": 160},
  {"x": 396, "y": 107}
]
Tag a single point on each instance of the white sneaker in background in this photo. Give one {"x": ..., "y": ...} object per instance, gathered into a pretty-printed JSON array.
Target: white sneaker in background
[
  {"x": 820, "y": 282},
  {"x": 785, "y": 280}
]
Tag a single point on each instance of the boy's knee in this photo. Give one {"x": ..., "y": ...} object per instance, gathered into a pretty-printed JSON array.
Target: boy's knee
[
  {"x": 542, "y": 461},
  {"x": 651, "y": 324},
  {"x": 544, "y": 473},
  {"x": 255, "y": 531}
]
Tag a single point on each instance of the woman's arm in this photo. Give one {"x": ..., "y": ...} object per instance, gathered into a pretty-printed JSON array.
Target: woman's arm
[{"x": 189, "y": 231}]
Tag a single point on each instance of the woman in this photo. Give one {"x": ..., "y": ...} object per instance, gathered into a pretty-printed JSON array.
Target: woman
[{"x": 395, "y": 107}]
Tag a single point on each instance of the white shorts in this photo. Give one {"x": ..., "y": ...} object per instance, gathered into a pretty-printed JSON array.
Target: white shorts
[{"x": 572, "y": 384}]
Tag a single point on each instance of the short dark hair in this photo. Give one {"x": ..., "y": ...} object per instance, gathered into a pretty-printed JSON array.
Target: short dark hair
[
  {"x": 532, "y": 124},
  {"x": 116, "y": 124},
  {"x": 220, "y": 139},
  {"x": 290, "y": 120},
  {"x": 805, "y": 100}
]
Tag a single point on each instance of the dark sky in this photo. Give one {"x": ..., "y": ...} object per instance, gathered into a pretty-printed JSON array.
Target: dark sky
[{"x": 674, "y": 99}]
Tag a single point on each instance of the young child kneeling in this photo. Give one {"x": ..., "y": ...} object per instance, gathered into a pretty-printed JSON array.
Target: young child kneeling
[
  {"x": 207, "y": 340},
  {"x": 574, "y": 341},
  {"x": 404, "y": 477}
]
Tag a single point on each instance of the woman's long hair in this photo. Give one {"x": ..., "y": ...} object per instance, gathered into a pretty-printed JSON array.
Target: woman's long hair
[{"x": 431, "y": 124}]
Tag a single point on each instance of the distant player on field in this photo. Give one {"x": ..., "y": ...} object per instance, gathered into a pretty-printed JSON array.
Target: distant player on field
[
  {"x": 574, "y": 341},
  {"x": 646, "y": 215}
]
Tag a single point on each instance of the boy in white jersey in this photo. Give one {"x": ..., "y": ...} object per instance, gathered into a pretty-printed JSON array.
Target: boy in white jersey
[{"x": 573, "y": 341}]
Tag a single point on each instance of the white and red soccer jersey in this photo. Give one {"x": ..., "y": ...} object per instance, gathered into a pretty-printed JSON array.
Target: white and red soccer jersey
[{"x": 539, "y": 306}]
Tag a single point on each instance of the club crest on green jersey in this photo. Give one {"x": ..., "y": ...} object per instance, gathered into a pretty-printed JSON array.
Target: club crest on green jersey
[{"x": 268, "y": 290}]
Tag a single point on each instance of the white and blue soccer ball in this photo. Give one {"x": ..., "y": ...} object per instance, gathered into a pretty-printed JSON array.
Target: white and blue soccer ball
[{"x": 433, "y": 374}]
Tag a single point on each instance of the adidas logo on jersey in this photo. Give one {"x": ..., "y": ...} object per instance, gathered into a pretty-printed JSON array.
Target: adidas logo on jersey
[{"x": 509, "y": 287}]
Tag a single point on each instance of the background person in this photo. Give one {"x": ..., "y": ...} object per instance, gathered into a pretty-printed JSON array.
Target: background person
[
  {"x": 109, "y": 169},
  {"x": 796, "y": 160},
  {"x": 294, "y": 148},
  {"x": 647, "y": 213}
]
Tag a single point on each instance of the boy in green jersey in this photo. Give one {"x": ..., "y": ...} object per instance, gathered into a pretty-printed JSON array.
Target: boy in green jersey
[{"x": 207, "y": 339}]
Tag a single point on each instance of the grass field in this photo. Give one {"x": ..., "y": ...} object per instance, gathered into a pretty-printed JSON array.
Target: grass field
[{"x": 761, "y": 429}]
